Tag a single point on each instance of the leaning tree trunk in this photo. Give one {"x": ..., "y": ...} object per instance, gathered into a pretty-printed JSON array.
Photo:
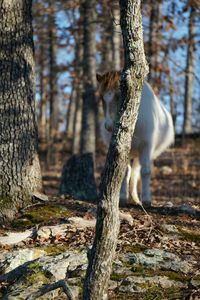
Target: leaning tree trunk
[
  {"x": 88, "y": 136},
  {"x": 20, "y": 174},
  {"x": 187, "y": 123},
  {"x": 107, "y": 227}
]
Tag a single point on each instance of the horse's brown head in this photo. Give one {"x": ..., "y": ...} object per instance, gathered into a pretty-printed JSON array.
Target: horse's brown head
[
  {"x": 108, "y": 81},
  {"x": 109, "y": 93}
]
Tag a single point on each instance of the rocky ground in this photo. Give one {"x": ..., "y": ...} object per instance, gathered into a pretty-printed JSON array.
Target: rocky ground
[{"x": 157, "y": 254}]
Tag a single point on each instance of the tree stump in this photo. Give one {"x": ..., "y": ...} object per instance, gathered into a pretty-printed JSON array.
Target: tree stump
[{"x": 78, "y": 179}]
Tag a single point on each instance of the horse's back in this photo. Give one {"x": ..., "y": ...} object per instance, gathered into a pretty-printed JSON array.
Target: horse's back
[{"x": 154, "y": 126}]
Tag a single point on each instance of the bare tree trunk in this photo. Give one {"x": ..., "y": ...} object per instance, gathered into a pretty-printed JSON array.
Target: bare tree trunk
[
  {"x": 116, "y": 38},
  {"x": 77, "y": 121},
  {"x": 43, "y": 99},
  {"x": 154, "y": 43},
  {"x": 106, "y": 51},
  {"x": 106, "y": 63},
  {"x": 106, "y": 39},
  {"x": 41, "y": 51},
  {"x": 71, "y": 111},
  {"x": 53, "y": 93},
  {"x": 173, "y": 109},
  {"x": 20, "y": 174},
  {"x": 187, "y": 123},
  {"x": 79, "y": 90},
  {"x": 88, "y": 136},
  {"x": 107, "y": 227}
]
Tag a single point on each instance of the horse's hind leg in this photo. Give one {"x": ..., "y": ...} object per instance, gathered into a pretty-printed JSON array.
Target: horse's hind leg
[
  {"x": 144, "y": 157},
  {"x": 135, "y": 175},
  {"x": 124, "y": 193}
]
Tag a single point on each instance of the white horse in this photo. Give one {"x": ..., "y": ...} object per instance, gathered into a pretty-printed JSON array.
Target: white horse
[{"x": 153, "y": 134}]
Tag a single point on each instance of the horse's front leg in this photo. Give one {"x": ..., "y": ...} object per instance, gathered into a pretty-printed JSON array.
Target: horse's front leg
[
  {"x": 145, "y": 174},
  {"x": 124, "y": 193}
]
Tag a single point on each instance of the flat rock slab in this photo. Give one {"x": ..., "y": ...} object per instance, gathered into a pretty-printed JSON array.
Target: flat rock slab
[
  {"x": 28, "y": 275},
  {"x": 160, "y": 259},
  {"x": 11, "y": 238}
]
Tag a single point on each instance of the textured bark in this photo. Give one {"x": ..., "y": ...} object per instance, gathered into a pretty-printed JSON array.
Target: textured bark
[
  {"x": 187, "y": 124},
  {"x": 88, "y": 136},
  {"x": 20, "y": 174},
  {"x": 103, "y": 250}
]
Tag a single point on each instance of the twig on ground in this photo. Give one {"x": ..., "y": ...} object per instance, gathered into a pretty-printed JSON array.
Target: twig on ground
[{"x": 50, "y": 287}]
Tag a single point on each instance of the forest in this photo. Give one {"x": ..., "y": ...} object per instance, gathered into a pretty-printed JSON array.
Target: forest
[{"x": 89, "y": 209}]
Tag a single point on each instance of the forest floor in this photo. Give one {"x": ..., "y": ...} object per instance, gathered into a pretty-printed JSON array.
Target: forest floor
[{"x": 157, "y": 257}]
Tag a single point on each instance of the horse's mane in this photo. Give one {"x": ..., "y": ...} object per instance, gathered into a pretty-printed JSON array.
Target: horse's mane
[{"x": 110, "y": 80}]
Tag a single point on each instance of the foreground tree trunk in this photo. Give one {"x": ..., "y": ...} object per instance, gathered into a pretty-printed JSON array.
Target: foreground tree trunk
[
  {"x": 20, "y": 174},
  {"x": 107, "y": 227}
]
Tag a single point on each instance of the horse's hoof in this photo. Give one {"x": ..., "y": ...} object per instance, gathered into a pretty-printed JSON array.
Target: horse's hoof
[{"x": 146, "y": 204}]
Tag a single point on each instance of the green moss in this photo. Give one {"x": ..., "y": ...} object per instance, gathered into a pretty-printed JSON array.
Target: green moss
[
  {"x": 36, "y": 277},
  {"x": 127, "y": 296},
  {"x": 197, "y": 277},
  {"x": 47, "y": 213},
  {"x": 174, "y": 293},
  {"x": 158, "y": 293},
  {"x": 21, "y": 223},
  {"x": 54, "y": 249},
  {"x": 143, "y": 285},
  {"x": 190, "y": 235},
  {"x": 34, "y": 266},
  {"x": 141, "y": 270},
  {"x": 136, "y": 248},
  {"x": 117, "y": 277},
  {"x": 154, "y": 293},
  {"x": 42, "y": 214},
  {"x": 174, "y": 275}
]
